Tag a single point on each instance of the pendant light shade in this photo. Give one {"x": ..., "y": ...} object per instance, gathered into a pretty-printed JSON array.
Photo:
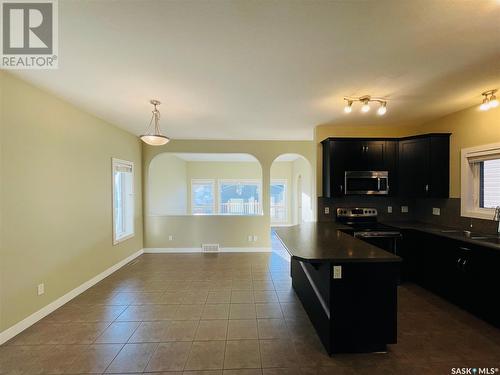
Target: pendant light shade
[{"x": 153, "y": 136}]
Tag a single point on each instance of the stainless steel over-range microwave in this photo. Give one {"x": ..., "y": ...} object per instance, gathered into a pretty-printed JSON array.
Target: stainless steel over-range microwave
[{"x": 367, "y": 182}]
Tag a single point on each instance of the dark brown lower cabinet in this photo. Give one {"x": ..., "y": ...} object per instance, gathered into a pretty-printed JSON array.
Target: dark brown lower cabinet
[{"x": 463, "y": 273}]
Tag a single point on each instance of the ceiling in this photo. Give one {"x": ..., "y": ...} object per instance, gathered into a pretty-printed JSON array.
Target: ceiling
[
  {"x": 272, "y": 69},
  {"x": 228, "y": 157}
]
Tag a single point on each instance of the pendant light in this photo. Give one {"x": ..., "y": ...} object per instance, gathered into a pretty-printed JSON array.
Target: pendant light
[{"x": 153, "y": 135}]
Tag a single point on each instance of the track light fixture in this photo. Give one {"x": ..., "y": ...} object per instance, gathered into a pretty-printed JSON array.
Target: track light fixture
[
  {"x": 366, "y": 99},
  {"x": 489, "y": 100}
]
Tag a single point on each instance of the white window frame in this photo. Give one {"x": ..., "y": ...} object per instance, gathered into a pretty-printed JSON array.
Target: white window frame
[
  {"x": 245, "y": 181},
  {"x": 469, "y": 189},
  {"x": 116, "y": 163},
  {"x": 279, "y": 181},
  {"x": 204, "y": 181}
]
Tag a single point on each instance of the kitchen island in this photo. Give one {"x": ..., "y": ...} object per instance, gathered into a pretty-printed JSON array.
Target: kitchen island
[{"x": 347, "y": 287}]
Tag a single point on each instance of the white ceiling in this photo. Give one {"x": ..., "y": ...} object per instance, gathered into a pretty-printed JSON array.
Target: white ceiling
[
  {"x": 215, "y": 157},
  {"x": 272, "y": 69},
  {"x": 187, "y": 156}
]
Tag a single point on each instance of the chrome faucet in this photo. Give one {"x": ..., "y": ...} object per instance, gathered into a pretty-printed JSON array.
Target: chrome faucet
[{"x": 497, "y": 218}]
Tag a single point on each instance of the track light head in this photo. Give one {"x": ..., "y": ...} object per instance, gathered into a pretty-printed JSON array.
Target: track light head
[
  {"x": 365, "y": 107},
  {"x": 485, "y": 105},
  {"x": 493, "y": 101},
  {"x": 382, "y": 109},
  {"x": 348, "y": 107}
]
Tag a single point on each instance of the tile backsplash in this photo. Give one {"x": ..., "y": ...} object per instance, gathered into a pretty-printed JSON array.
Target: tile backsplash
[{"x": 418, "y": 210}]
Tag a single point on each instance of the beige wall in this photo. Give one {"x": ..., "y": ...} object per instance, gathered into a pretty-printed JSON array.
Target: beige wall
[
  {"x": 168, "y": 187},
  {"x": 229, "y": 231},
  {"x": 56, "y": 210},
  {"x": 469, "y": 128}
]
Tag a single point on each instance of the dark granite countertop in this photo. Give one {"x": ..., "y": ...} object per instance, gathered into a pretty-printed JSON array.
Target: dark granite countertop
[
  {"x": 492, "y": 241},
  {"x": 322, "y": 242}
]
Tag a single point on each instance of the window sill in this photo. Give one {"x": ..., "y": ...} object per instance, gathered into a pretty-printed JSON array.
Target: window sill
[
  {"x": 116, "y": 241},
  {"x": 486, "y": 214}
]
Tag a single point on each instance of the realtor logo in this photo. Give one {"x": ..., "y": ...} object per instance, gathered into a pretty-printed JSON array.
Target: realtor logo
[{"x": 29, "y": 34}]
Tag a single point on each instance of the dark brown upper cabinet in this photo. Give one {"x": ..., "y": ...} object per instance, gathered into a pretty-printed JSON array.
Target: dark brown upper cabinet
[
  {"x": 418, "y": 166},
  {"x": 356, "y": 154},
  {"x": 424, "y": 166}
]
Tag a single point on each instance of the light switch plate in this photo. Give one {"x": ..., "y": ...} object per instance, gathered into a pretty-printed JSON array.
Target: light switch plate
[
  {"x": 337, "y": 272},
  {"x": 404, "y": 209},
  {"x": 436, "y": 211},
  {"x": 250, "y": 238},
  {"x": 327, "y": 210},
  {"x": 255, "y": 238},
  {"x": 389, "y": 209},
  {"x": 170, "y": 237},
  {"x": 41, "y": 289}
]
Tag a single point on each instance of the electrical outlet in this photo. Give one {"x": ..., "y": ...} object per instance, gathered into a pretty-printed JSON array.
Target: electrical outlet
[
  {"x": 404, "y": 209},
  {"x": 41, "y": 289},
  {"x": 337, "y": 272},
  {"x": 389, "y": 209},
  {"x": 255, "y": 238},
  {"x": 250, "y": 238},
  {"x": 327, "y": 210},
  {"x": 170, "y": 237},
  {"x": 436, "y": 211}
]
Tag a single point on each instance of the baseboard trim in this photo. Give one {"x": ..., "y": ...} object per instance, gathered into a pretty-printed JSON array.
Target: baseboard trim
[
  {"x": 44, "y": 311},
  {"x": 174, "y": 250}
]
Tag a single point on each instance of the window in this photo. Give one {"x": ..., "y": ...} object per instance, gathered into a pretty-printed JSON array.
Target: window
[
  {"x": 489, "y": 183},
  {"x": 278, "y": 201},
  {"x": 202, "y": 197},
  {"x": 123, "y": 200},
  {"x": 239, "y": 197},
  {"x": 480, "y": 186}
]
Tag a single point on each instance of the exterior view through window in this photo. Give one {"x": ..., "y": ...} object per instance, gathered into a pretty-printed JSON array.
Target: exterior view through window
[
  {"x": 237, "y": 197},
  {"x": 278, "y": 202},
  {"x": 202, "y": 197},
  {"x": 123, "y": 200},
  {"x": 489, "y": 183}
]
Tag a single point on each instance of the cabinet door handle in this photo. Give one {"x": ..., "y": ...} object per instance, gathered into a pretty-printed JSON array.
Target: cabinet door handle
[
  {"x": 463, "y": 264},
  {"x": 427, "y": 188},
  {"x": 464, "y": 248},
  {"x": 459, "y": 261},
  {"x": 341, "y": 188}
]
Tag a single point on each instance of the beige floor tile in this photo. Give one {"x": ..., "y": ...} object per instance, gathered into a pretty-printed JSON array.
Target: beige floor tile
[
  {"x": 242, "y": 284},
  {"x": 263, "y": 285},
  {"x": 265, "y": 296},
  {"x": 272, "y": 329},
  {"x": 215, "y": 311},
  {"x": 117, "y": 332},
  {"x": 211, "y": 330},
  {"x": 195, "y": 297},
  {"x": 242, "y": 329},
  {"x": 170, "y": 356},
  {"x": 242, "y": 296},
  {"x": 94, "y": 358},
  {"x": 149, "y": 312},
  {"x": 247, "y": 371},
  {"x": 277, "y": 353},
  {"x": 205, "y": 372},
  {"x": 268, "y": 311},
  {"x": 219, "y": 296},
  {"x": 206, "y": 355},
  {"x": 132, "y": 358},
  {"x": 242, "y": 354},
  {"x": 242, "y": 311},
  {"x": 189, "y": 312},
  {"x": 181, "y": 330},
  {"x": 151, "y": 332},
  {"x": 172, "y": 297}
]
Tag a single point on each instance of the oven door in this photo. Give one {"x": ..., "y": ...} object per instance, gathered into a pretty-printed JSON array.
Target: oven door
[
  {"x": 367, "y": 182},
  {"x": 387, "y": 241}
]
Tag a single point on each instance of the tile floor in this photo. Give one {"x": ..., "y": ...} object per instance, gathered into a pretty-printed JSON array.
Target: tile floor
[{"x": 231, "y": 314}]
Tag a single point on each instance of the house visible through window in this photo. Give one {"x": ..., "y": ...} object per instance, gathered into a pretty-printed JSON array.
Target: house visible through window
[
  {"x": 278, "y": 202},
  {"x": 239, "y": 197},
  {"x": 202, "y": 197},
  {"x": 123, "y": 200},
  {"x": 489, "y": 183}
]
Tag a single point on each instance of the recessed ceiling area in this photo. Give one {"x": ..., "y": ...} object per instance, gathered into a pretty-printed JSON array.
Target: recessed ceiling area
[{"x": 272, "y": 70}]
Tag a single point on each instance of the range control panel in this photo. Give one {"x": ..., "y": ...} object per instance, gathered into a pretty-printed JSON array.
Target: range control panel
[{"x": 356, "y": 212}]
